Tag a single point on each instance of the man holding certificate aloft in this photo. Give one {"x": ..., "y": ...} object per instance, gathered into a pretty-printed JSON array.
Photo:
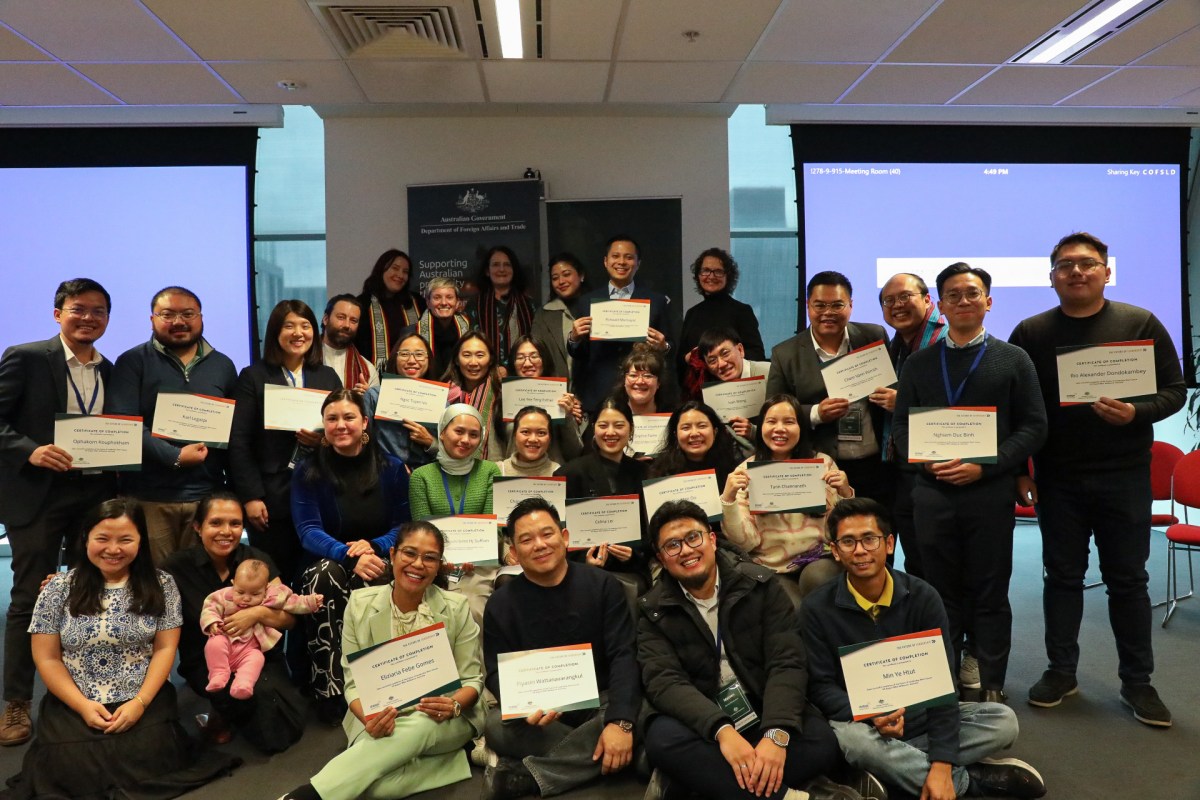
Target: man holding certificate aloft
[
  {"x": 939, "y": 751},
  {"x": 952, "y": 396},
  {"x": 1093, "y": 475},
  {"x": 724, "y": 670}
]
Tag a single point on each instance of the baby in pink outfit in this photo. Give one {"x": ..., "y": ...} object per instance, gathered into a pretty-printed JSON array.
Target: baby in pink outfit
[{"x": 243, "y": 655}]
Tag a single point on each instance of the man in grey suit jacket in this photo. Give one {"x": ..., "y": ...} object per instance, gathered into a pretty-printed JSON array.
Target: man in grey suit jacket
[
  {"x": 42, "y": 498},
  {"x": 848, "y": 432}
]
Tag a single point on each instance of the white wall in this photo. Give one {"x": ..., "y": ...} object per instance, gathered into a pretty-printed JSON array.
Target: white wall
[{"x": 369, "y": 162}]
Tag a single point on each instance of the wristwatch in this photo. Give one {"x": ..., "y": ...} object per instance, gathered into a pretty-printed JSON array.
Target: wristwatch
[
  {"x": 779, "y": 736},
  {"x": 457, "y": 707},
  {"x": 624, "y": 725}
]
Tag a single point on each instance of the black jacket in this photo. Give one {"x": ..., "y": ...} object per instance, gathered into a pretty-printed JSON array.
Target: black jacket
[{"x": 680, "y": 671}]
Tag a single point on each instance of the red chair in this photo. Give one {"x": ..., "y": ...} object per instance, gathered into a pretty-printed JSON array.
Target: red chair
[{"x": 1185, "y": 490}]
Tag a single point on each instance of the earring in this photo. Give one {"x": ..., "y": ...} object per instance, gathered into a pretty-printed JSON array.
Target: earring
[{"x": 366, "y": 437}]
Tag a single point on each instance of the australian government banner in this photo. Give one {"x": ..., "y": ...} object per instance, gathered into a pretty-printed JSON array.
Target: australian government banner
[{"x": 452, "y": 225}]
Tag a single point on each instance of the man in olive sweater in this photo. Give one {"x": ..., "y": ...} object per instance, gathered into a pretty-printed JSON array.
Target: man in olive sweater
[{"x": 1093, "y": 477}]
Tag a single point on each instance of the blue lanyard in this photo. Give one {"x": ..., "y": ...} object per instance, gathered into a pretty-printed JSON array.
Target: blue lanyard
[
  {"x": 84, "y": 408},
  {"x": 287, "y": 374},
  {"x": 953, "y": 397},
  {"x": 450, "y": 498}
]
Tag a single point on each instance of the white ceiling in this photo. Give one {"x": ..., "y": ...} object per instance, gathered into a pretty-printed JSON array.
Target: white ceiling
[{"x": 597, "y": 54}]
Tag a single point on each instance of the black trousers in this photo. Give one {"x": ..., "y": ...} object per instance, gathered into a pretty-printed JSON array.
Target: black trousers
[{"x": 871, "y": 477}]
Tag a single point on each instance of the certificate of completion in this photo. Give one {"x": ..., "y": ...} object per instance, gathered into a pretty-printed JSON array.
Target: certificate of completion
[
  {"x": 183, "y": 417},
  {"x": 737, "y": 398},
  {"x": 794, "y": 486},
  {"x": 414, "y": 399},
  {"x": 507, "y": 492},
  {"x": 649, "y": 433},
  {"x": 470, "y": 538},
  {"x": 620, "y": 320},
  {"x": 100, "y": 441},
  {"x": 859, "y": 372},
  {"x": 399, "y": 672},
  {"x": 909, "y": 671},
  {"x": 554, "y": 679},
  {"x": 604, "y": 520},
  {"x": 940, "y": 434},
  {"x": 290, "y": 408},
  {"x": 517, "y": 393},
  {"x": 700, "y": 487},
  {"x": 1119, "y": 370}
]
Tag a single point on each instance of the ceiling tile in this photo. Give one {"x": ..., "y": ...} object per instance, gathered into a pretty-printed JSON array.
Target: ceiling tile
[
  {"x": 1139, "y": 86},
  {"x": 1182, "y": 51},
  {"x": 14, "y": 48},
  {"x": 663, "y": 82},
  {"x": 246, "y": 30},
  {"x": 581, "y": 30},
  {"x": 322, "y": 82},
  {"x": 774, "y": 82},
  {"x": 974, "y": 32},
  {"x": 1160, "y": 25},
  {"x": 96, "y": 30},
  {"x": 545, "y": 82},
  {"x": 895, "y": 85},
  {"x": 1189, "y": 100},
  {"x": 160, "y": 84},
  {"x": 838, "y": 30},
  {"x": 419, "y": 81},
  {"x": 1030, "y": 85},
  {"x": 653, "y": 29},
  {"x": 47, "y": 85}
]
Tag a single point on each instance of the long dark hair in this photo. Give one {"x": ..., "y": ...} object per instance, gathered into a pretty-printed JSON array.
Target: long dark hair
[
  {"x": 358, "y": 475},
  {"x": 723, "y": 455},
  {"x": 484, "y": 280},
  {"x": 410, "y": 529},
  {"x": 87, "y": 583},
  {"x": 272, "y": 352},
  {"x": 611, "y": 403},
  {"x": 374, "y": 285},
  {"x": 454, "y": 375},
  {"x": 803, "y": 448}
]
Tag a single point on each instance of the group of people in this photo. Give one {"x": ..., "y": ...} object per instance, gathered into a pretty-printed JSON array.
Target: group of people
[{"x": 702, "y": 659}]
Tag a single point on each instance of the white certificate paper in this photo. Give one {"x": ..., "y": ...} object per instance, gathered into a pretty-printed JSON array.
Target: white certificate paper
[
  {"x": 290, "y": 408},
  {"x": 909, "y": 671},
  {"x": 859, "y": 372},
  {"x": 517, "y": 393},
  {"x": 794, "y": 486},
  {"x": 414, "y": 399},
  {"x": 620, "y": 320},
  {"x": 507, "y": 492},
  {"x": 940, "y": 434},
  {"x": 399, "y": 672},
  {"x": 557, "y": 678},
  {"x": 1119, "y": 370},
  {"x": 700, "y": 487},
  {"x": 100, "y": 441},
  {"x": 742, "y": 397},
  {"x": 649, "y": 434},
  {"x": 183, "y": 417},
  {"x": 470, "y": 538},
  {"x": 604, "y": 520}
]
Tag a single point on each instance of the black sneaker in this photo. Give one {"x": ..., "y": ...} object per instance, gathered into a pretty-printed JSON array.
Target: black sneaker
[
  {"x": 508, "y": 778},
  {"x": 1005, "y": 777},
  {"x": 1147, "y": 707},
  {"x": 867, "y": 785},
  {"x": 1051, "y": 688},
  {"x": 821, "y": 788}
]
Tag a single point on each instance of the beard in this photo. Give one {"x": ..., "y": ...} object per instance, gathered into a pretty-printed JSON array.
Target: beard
[
  {"x": 179, "y": 344},
  {"x": 339, "y": 340}
]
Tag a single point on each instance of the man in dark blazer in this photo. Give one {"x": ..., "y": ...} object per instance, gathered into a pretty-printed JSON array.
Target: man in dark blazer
[
  {"x": 597, "y": 364},
  {"x": 42, "y": 499},
  {"x": 848, "y": 432}
]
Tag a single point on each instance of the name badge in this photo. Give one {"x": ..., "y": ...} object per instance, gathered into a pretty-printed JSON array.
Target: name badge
[
  {"x": 850, "y": 427},
  {"x": 733, "y": 701}
]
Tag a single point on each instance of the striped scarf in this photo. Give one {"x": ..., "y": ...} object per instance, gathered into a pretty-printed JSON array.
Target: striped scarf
[
  {"x": 496, "y": 328},
  {"x": 425, "y": 328},
  {"x": 377, "y": 322}
]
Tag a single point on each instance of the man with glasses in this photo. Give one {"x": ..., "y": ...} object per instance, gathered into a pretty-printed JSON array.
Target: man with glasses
[
  {"x": 724, "y": 358},
  {"x": 555, "y": 603},
  {"x": 939, "y": 753},
  {"x": 175, "y": 475},
  {"x": 963, "y": 509},
  {"x": 849, "y": 432},
  {"x": 42, "y": 497},
  {"x": 1092, "y": 479},
  {"x": 723, "y": 667},
  {"x": 339, "y": 327}
]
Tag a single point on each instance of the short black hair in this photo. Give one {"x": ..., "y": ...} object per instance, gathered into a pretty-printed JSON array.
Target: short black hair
[
  {"x": 526, "y": 507},
  {"x": 623, "y": 237},
  {"x": 342, "y": 298},
  {"x": 713, "y": 337},
  {"x": 858, "y": 507},
  {"x": 1084, "y": 238},
  {"x": 963, "y": 268},
  {"x": 829, "y": 278},
  {"x": 169, "y": 290},
  {"x": 669, "y": 512},
  {"x": 78, "y": 286}
]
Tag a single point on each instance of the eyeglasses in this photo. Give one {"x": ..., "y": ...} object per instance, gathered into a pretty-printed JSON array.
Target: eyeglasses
[
  {"x": 527, "y": 358},
  {"x": 712, "y": 273},
  {"x": 81, "y": 313},
  {"x": 692, "y": 539},
  {"x": 1085, "y": 265},
  {"x": 412, "y": 355},
  {"x": 410, "y": 554},
  {"x": 170, "y": 316},
  {"x": 870, "y": 543},
  {"x": 973, "y": 294},
  {"x": 641, "y": 376},
  {"x": 723, "y": 354},
  {"x": 821, "y": 308},
  {"x": 902, "y": 297}
]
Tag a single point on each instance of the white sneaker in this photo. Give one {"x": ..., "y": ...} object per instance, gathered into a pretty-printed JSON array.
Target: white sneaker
[
  {"x": 968, "y": 672},
  {"x": 482, "y": 755}
]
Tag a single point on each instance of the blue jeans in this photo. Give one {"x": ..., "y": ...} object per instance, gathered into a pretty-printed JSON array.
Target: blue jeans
[{"x": 983, "y": 729}]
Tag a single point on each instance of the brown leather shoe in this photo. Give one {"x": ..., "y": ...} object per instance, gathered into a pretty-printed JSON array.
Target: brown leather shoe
[{"x": 16, "y": 727}]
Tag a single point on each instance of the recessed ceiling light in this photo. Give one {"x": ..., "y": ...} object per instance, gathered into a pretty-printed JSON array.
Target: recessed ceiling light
[
  {"x": 1080, "y": 32},
  {"x": 508, "y": 19}
]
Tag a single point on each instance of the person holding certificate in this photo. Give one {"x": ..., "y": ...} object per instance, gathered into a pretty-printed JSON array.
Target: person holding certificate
[
  {"x": 441, "y": 324},
  {"x": 408, "y": 441},
  {"x": 642, "y": 384},
  {"x": 530, "y": 359},
  {"x": 722, "y": 357},
  {"x": 1093, "y": 477},
  {"x": 723, "y": 669},
  {"x": 260, "y": 460},
  {"x": 553, "y": 323},
  {"x": 474, "y": 379},
  {"x": 348, "y": 500},
  {"x": 792, "y": 544},
  {"x": 962, "y": 509},
  {"x": 403, "y": 751},
  {"x": 388, "y": 305},
  {"x": 502, "y": 309},
  {"x": 696, "y": 440},
  {"x": 939, "y": 752}
]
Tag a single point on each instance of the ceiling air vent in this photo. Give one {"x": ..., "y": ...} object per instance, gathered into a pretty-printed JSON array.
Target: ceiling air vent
[{"x": 392, "y": 31}]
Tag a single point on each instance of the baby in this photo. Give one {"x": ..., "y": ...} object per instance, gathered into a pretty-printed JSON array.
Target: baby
[{"x": 243, "y": 654}]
